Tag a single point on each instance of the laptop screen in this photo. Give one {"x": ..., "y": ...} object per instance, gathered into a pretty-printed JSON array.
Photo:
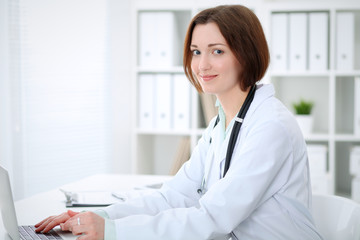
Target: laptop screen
[{"x": 7, "y": 205}]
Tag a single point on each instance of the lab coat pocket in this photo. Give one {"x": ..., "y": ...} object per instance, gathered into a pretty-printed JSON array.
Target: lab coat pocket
[{"x": 215, "y": 172}]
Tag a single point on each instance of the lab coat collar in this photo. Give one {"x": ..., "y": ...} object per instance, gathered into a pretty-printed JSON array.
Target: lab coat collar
[{"x": 263, "y": 92}]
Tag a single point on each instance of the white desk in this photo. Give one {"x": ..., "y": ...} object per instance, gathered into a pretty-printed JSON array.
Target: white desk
[{"x": 33, "y": 209}]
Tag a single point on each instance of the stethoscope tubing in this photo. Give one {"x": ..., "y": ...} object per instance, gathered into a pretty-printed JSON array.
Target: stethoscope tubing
[
  {"x": 233, "y": 137},
  {"x": 236, "y": 128}
]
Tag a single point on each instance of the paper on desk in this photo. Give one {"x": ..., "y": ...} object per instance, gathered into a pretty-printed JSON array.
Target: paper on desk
[
  {"x": 90, "y": 199},
  {"x": 102, "y": 198}
]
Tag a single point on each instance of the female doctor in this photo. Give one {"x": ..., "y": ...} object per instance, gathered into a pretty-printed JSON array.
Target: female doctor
[{"x": 248, "y": 177}]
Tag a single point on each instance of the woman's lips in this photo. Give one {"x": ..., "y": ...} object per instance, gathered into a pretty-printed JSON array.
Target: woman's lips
[{"x": 207, "y": 78}]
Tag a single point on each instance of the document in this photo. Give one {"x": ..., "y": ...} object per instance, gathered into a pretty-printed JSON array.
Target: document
[
  {"x": 345, "y": 38},
  {"x": 320, "y": 178},
  {"x": 163, "y": 93},
  {"x": 317, "y": 155},
  {"x": 354, "y": 170},
  {"x": 298, "y": 42},
  {"x": 166, "y": 37},
  {"x": 354, "y": 167},
  {"x": 91, "y": 198},
  {"x": 146, "y": 101},
  {"x": 321, "y": 184},
  {"x": 279, "y": 42},
  {"x": 158, "y": 39},
  {"x": 147, "y": 38},
  {"x": 106, "y": 198},
  {"x": 318, "y": 41},
  {"x": 181, "y": 101}
]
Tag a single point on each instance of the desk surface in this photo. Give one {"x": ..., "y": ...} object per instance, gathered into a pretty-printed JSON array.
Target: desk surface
[{"x": 35, "y": 208}]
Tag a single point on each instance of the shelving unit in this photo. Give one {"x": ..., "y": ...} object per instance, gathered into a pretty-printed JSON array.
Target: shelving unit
[
  {"x": 154, "y": 149},
  {"x": 332, "y": 90}
]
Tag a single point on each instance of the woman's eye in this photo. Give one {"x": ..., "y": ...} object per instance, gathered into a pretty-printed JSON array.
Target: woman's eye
[
  {"x": 196, "y": 52},
  {"x": 217, "y": 51}
]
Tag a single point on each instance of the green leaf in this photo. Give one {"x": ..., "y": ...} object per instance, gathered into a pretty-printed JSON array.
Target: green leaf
[{"x": 303, "y": 107}]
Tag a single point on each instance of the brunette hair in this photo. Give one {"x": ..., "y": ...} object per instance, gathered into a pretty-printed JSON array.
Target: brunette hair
[{"x": 243, "y": 33}]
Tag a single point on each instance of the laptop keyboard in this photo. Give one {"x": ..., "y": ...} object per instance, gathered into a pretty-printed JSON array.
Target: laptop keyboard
[{"x": 28, "y": 233}]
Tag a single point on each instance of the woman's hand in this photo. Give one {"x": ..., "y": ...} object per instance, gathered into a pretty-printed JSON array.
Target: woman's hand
[
  {"x": 89, "y": 224},
  {"x": 49, "y": 223}
]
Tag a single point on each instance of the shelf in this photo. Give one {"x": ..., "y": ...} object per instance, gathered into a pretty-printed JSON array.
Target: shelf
[
  {"x": 163, "y": 5},
  {"x": 347, "y": 74},
  {"x": 186, "y": 132},
  {"x": 175, "y": 69},
  {"x": 316, "y": 137},
  {"x": 316, "y": 74},
  {"x": 347, "y": 138},
  {"x": 343, "y": 194},
  {"x": 337, "y": 137},
  {"x": 300, "y": 74},
  {"x": 315, "y": 6}
]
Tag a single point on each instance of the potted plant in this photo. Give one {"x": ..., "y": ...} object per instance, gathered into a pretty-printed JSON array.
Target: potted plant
[{"x": 303, "y": 115}]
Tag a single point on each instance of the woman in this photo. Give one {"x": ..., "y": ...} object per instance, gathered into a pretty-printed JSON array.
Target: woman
[{"x": 263, "y": 193}]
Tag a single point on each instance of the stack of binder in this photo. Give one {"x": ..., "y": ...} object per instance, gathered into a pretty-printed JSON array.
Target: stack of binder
[
  {"x": 345, "y": 41},
  {"x": 158, "y": 39},
  {"x": 163, "y": 99},
  {"x": 355, "y": 172},
  {"x": 164, "y": 102},
  {"x": 300, "y": 41},
  {"x": 181, "y": 102},
  {"x": 320, "y": 179}
]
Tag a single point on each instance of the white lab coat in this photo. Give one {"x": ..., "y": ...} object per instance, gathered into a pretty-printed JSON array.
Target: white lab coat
[{"x": 265, "y": 194}]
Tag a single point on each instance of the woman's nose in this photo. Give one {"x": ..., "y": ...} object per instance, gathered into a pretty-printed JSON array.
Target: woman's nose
[{"x": 204, "y": 63}]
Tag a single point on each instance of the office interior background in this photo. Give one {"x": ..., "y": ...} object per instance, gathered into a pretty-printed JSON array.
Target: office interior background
[{"x": 78, "y": 84}]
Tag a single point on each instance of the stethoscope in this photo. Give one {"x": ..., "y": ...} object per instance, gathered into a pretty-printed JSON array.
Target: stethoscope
[{"x": 233, "y": 137}]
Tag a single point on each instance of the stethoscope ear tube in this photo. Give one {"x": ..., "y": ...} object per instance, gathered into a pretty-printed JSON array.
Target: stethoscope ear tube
[{"x": 236, "y": 128}]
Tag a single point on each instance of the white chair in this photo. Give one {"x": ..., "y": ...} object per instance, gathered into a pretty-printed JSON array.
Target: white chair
[{"x": 336, "y": 218}]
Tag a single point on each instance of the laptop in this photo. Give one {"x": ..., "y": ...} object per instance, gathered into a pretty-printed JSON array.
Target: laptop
[{"x": 8, "y": 214}]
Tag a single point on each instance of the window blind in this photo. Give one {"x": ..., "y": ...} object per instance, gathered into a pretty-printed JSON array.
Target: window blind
[{"x": 62, "y": 92}]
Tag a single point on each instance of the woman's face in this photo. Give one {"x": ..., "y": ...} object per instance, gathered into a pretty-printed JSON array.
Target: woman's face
[{"x": 213, "y": 63}]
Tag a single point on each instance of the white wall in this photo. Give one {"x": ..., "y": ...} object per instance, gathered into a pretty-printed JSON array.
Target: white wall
[
  {"x": 120, "y": 71},
  {"x": 5, "y": 119}
]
